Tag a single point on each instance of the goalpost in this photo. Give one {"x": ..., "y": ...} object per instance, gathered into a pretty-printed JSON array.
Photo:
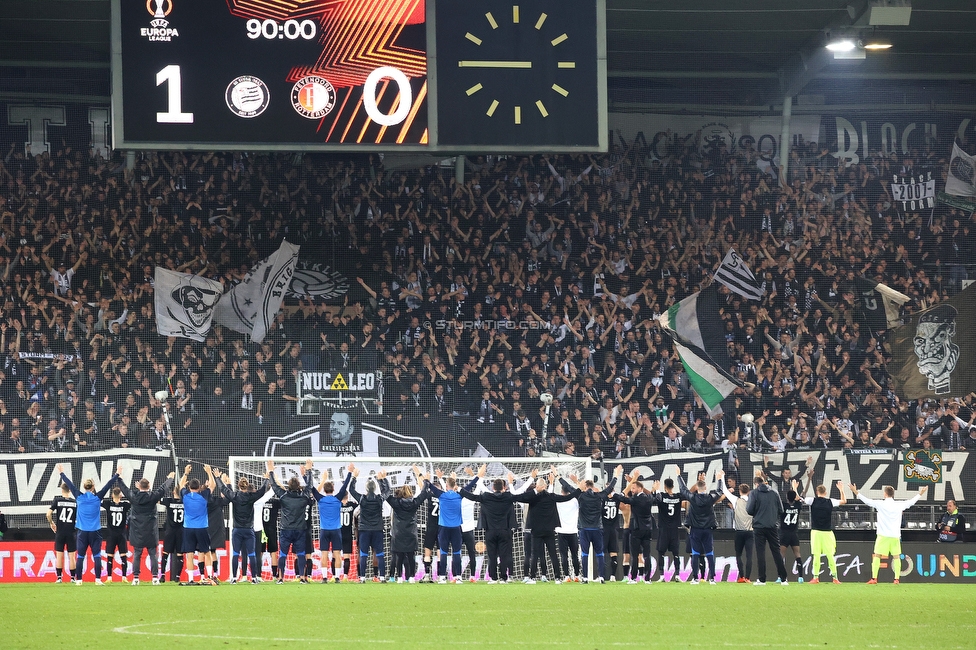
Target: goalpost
[{"x": 400, "y": 472}]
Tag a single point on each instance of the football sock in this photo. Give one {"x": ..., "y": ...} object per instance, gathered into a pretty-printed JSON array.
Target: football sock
[
  {"x": 896, "y": 566},
  {"x": 234, "y": 561},
  {"x": 875, "y": 566},
  {"x": 832, "y": 563}
]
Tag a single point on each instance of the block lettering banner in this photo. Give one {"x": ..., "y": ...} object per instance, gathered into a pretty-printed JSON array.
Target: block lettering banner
[{"x": 28, "y": 482}]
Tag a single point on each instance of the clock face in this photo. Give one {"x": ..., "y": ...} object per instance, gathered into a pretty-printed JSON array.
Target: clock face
[{"x": 519, "y": 74}]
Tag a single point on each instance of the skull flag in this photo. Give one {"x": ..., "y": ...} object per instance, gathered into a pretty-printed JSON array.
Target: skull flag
[
  {"x": 184, "y": 303},
  {"x": 934, "y": 353}
]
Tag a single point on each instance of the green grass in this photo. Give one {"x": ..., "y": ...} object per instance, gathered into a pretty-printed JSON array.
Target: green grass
[{"x": 851, "y": 615}]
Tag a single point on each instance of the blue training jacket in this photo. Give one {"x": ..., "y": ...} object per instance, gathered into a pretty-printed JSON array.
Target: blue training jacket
[
  {"x": 89, "y": 518},
  {"x": 195, "y": 508},
  {"x": 450, "y": 505},
  {"x": 330, "y": 506}
]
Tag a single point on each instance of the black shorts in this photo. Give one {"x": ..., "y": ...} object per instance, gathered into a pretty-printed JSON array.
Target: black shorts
[
  {"x": 66, "y": 540},
  {"x": 669, "y": 541},
  {"x": 173, "y": 540},
  {"x": 347, "y": 541},
  {"x": 218, "y": 537},
  {"x": 430, "y": 536},
  {"x": 611, "y": 540},
  {"x": 271, "y": 544},
  {"x": 788, "y": 538},
  {"x": 116, "y": 539}
]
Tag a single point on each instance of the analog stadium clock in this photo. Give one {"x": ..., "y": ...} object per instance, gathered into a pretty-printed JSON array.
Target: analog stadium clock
[{"x": 521, "y": 74}]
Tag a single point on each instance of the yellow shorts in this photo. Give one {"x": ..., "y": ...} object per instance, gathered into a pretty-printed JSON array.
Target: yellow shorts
[{"x": 887, "y": 546}]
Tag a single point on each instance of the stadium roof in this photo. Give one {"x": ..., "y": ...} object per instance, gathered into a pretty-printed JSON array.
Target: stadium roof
[{"x": 740, "y": 53}]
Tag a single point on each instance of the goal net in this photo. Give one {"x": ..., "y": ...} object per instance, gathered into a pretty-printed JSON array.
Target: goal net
[{"x": 399, "y": 473}]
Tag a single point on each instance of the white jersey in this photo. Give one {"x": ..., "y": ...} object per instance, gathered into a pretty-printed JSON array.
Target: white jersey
[
  {"x": 889, "y": 513},
  {"x": 568, "y": 517},
  {"x": 468, "y": 521}
]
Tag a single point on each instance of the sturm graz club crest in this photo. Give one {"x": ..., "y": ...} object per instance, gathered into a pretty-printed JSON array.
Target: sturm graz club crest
[
  {"x": 312, "y": 280},
  {"x": 923, "y": 466},
  {"x": 934, "y": 346}
]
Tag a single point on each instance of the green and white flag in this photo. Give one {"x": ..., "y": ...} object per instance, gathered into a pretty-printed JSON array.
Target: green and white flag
[{"x": 696, "y": 326}]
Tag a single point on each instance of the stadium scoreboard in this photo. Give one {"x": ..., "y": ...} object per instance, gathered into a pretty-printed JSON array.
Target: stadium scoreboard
[{"x": 437, "y": 75}]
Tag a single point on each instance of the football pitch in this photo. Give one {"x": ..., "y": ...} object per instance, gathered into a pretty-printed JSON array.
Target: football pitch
[{"x": 851, "y": 615}]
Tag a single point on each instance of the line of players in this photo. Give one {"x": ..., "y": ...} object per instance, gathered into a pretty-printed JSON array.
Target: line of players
[{"x": 580, "y": 520}]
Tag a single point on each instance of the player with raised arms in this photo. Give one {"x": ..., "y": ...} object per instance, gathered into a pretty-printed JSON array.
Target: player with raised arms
[
  {"x": 270, "y": 510},
  {"x": 745, "y": 540},
  {"x": 431, "y": 531},
  {"x": 62, "y": 516},
  {"x": 172, "y": 536},
  {"x": 498, "y": 520},
  {"x": 403, "y": 532},
  {"x": 330, "y": 521},
  {"x": 89, "y": 524},
  {"x": 788, "y": 526},
  {"x": 242, "y": 537},
  {"x": 116, "y": 532},
  {"x": 701, "y": 517},
  {"x": 889, "y": 528},
  {"x": 371, "y": 523},
  {"x": 144, "y": 524},
  {"x": 590, "y": 519},
  {"x": 641, "y": 524},
  {"x": 669, "y": 526},
  {"x": 545, "y": 518},
  {"x": 449, "y": 524},
  {"x": 822, "y": 540},
  {"x": 292, "y": 536},
  {"x": 196, "y": 537}
]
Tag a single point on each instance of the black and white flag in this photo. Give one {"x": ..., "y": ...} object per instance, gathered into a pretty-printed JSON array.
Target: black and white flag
[
  {"x": 879, "y": 303},
  {"x": 251, "y": 306},
  {"x": 934, "y": 353},
  {"x": 962, "y": 173},
  {"x": 185, "y": 303},
  {"x": 736, "y": 276}
]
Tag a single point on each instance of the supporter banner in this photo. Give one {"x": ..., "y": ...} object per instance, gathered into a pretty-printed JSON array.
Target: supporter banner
[
  {"x": 956, "y": 202},
  {"x": 69, "y": 358},
  {"x": 343, "y": 433},
  {"x": 921, "y": 562},
  {"x": 870, "y": 472},
  {"x": 760, "y": 133},
  {"x": 28, "y": 482},
  {"x": 914, "y": 192},
  {"x": 856, "y": 138}
]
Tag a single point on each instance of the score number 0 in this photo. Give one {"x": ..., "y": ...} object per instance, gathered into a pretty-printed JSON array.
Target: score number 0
[{"x": 174, "y": 113}]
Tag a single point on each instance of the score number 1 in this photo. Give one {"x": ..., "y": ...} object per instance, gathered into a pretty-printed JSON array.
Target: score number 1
[{"x": 174, "y": 105}]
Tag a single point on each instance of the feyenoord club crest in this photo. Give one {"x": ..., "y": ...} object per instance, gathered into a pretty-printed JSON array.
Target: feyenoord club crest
[
  {"x": 247, "y": 96},
  {"x": 313, "y": 97}
]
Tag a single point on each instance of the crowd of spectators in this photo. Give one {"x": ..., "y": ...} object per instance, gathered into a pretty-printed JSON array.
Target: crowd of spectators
[{"x": 536, "y": 274}]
